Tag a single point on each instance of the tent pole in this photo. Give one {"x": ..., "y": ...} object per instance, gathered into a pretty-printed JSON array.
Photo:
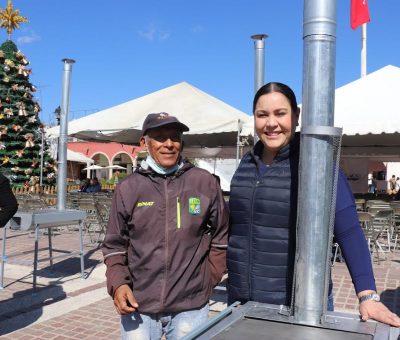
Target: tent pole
[
  {"x": 238, "y": 143},
  {"x": 41, "y": 157},
  {"x": 72, "y": 170}
]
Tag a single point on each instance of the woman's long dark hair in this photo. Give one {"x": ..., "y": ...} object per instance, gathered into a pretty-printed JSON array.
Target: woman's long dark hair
[{"x": 276, "y": 87}]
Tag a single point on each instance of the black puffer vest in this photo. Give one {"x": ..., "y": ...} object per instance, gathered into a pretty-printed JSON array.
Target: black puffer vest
[{"x": 262, "y": 237}]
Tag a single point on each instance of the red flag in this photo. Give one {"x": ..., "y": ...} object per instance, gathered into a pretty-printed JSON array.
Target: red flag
[{"x": 359, "y": 13}]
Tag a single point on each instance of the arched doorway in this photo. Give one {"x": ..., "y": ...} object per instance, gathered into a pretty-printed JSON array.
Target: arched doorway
[
  {"x": 102, "y": 160},
  {"x": 121, "y": 166}
]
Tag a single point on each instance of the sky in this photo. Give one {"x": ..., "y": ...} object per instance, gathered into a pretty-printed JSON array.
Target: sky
[{"x": 125, "y": 49}]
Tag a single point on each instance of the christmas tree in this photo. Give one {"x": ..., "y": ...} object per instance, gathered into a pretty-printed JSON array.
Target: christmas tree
[{"x": 20, "y": 126}]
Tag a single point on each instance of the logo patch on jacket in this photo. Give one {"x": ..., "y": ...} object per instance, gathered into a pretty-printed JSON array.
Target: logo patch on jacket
[
  {"x": 145, "y": 204},
  {"x": 194, "y": 206}
]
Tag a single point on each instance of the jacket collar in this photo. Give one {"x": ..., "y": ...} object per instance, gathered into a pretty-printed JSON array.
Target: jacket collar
[{"x": 284, "y": 153}]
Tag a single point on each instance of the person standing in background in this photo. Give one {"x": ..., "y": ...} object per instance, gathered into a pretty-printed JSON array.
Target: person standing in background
[
  {"x": 392, "y": 186},
  {"x": 371, "y": 184}
]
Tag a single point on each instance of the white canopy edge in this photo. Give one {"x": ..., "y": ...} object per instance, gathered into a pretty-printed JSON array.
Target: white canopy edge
[
  {"x": 204, "y": 114},
  {"x": 74, "y": 156}
]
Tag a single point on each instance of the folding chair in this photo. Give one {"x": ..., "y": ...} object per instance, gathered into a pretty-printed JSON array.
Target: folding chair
[
  {"x": 381, "y": 222},
  {"x": 396, "y": 226},
  {"x": 92, "y": 221},
  {"x": 336, "y": 254}
]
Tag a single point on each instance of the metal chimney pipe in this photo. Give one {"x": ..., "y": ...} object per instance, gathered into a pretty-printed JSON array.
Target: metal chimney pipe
[
  {"x": 62, "y": 141},
  {"x": 259, "y": 48},
  {"x": 316, "y": 160}
]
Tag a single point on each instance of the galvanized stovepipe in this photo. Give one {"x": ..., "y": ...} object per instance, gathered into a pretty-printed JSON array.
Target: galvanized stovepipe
[
  {"x": 62, "y": 141},
  {"x": 316, "y": 160}
]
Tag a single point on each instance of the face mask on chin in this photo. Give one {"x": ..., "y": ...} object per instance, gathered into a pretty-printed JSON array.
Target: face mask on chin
[{"x": 161, "y": 170}]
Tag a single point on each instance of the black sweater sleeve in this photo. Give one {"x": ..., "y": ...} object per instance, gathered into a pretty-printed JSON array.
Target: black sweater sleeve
[{"x": 8, "y": 202}]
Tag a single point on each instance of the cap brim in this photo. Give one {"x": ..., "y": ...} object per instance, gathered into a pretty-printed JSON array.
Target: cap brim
[{"x": 180, "y": 125}]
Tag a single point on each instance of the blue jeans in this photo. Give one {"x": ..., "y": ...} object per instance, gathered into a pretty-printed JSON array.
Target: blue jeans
[
  {"x": 330, "y": 306},
  {"x": 142, "y": 326}
]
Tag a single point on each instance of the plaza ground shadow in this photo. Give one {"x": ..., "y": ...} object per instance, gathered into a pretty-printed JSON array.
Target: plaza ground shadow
[
  {"x": 70, "y": 266},
  {"x": 25, "y": 307}
]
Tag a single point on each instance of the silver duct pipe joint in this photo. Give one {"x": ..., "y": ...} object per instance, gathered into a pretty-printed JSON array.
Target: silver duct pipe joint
[
  {"x": 259, "y": 49},
  {"x": 62, "y": 142},
  {"x": 316, "y": 160},
  {"x": 259, "y": 65}
]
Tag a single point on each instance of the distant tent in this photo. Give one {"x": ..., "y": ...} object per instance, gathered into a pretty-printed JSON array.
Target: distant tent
[
  {"x": 369, "y": 112},
  {"x": 74, "y": 156},
  {"x": 212, "y": 122}
]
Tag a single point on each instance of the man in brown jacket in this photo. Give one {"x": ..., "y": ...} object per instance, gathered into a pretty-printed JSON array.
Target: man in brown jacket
[{"x": 165, "y": 246}]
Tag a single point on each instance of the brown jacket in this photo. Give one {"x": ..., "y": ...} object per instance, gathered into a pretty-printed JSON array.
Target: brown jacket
[{"x": 167, "y": 237}]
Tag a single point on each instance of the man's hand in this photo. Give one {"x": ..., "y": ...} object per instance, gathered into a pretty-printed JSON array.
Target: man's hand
[
  {"x": 379, "y": 312},
  {"x": 124, "y": 301}
]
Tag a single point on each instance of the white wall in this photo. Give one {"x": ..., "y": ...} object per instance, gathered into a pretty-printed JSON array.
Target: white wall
[
  {"x": 224, "y": 168},
  {"x": 393, "y": 168},
  {"x": 356, "y": 170}
]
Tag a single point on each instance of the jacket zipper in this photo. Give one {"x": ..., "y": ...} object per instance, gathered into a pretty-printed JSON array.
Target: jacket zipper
[
  {"x": 251, "y": 238},
  {"x": 166, "y": 246},
  {"x": 178, "y": 213}
]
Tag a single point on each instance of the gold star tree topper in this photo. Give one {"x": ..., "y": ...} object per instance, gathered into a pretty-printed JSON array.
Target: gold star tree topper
[{"x": 10, "y": 20}]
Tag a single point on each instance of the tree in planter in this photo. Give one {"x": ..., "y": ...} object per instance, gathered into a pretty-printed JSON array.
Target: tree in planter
[{"x": 20, "y": 126}]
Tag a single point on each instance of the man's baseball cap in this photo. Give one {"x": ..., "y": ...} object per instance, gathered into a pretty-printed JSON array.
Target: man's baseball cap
[{"x": 155, "y": 120}]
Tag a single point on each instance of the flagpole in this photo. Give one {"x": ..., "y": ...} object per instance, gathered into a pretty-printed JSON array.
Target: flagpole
[{"x": 364, "y": 50}]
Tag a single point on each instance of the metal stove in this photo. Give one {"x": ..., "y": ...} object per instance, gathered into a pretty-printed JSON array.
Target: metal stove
[
  {"x": 255, "y": 320},
  {"x": 34, "y": 220}
]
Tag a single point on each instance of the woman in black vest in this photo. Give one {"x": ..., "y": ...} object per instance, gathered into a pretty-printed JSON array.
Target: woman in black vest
[{"x": 263, "y": 203}]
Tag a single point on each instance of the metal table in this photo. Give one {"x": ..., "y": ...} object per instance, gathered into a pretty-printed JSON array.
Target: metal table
[
  {"x": 264, "y": 321},
  {"x": 43, "y": 218}
]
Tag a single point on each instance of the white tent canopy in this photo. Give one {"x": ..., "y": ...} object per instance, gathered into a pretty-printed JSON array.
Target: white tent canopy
[
  {"x": 93, "y": 167},
  {"x": 212, "y": 122},
  {"x": 115, "y": 167},
  {"x": 368, "y": 105},
  {"x": 74, "y": 156},
  {"x": 368, "y": 111}
]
